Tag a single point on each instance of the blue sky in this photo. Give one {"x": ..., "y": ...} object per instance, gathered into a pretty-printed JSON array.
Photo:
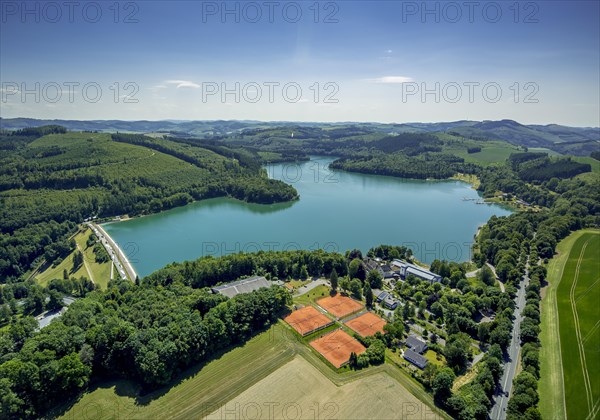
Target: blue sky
[{"x": 535, "y": 62}]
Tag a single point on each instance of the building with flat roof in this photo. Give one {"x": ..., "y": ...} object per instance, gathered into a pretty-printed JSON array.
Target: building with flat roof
[
  {"x": 386, "y": 299},
  {"x": 379, "y": 295},
  {"x": 242, "y": 286},
  {"x": 390, "y": 302},
  {"x": 406, "y": 269}
]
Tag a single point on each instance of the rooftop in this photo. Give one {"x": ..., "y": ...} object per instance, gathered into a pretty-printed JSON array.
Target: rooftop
[
  {"x": 416, "y": 344},
  {"x": 415, "y": 358},
  {"x": 242, "y": 286}
]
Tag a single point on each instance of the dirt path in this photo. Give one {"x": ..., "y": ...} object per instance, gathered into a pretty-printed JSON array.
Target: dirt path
[{"x": 87, "y": 267}]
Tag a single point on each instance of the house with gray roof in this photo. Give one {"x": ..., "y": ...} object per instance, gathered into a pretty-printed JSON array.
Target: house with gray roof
[
  {"x": 415, "y": 358},
  {"x": 416, "y": 344}
]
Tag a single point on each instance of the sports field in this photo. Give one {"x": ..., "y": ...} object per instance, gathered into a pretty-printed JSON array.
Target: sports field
[
  {"x": 307, "y": 320},
  {"x": 298, "y": 390},
  {"x": 340, "y": 306},
  {"x": 576, "y": 278},
  {"x": 336, "y": 347},
  {"x": 367, "y": 324}
]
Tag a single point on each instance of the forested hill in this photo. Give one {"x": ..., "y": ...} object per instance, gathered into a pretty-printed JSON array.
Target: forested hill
[
  {"x": 51, "y": 179},
  {"x": 578, "y": 141}
]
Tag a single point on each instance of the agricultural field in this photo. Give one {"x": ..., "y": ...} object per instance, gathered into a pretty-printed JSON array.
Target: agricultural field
[
  {"x": 267, "y": 361},
  {"x": 593, "y": 176},
  {"x": 491, "y": 151},
  {"x": 303, "y": 392},
  {"x": 571, "y": 330}
]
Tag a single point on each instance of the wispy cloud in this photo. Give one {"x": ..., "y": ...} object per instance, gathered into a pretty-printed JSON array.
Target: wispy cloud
[
  {"x": 183, "y": 84},
  {"x": 391, "y": 79}
]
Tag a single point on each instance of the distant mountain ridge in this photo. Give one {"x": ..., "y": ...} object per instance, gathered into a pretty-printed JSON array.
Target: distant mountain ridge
[{"x": 563, "y": 139}]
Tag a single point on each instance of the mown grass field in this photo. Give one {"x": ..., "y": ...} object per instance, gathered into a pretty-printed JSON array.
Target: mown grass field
[
  {"x": 570, "y": 356},
  {"x": 277, "y": 360},
  {"x": 99, "y": 273},
  {"x": 550, "y": 152},
  {"x": 491, "y": 151},
  {"x": 593, "y": 176}
]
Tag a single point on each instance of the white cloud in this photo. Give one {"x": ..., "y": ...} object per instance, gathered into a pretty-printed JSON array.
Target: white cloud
[
  {"x": 391, "y": 79},
  {"x": 183, "y": 84}
]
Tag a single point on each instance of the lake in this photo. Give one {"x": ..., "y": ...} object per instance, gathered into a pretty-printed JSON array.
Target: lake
[{"x": 337, "y": 211}]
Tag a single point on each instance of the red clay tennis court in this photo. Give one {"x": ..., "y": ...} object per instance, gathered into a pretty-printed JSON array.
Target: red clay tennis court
[
  {"x": 339, "y": 305},
  {"x": 307, "y": 320},
  {"x": 367, "y": 324},
  {"x": 337, "y": 346}
]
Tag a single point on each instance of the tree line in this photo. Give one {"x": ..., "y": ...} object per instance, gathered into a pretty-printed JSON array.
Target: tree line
[
  {"x": 144, "y": 333},
  {"x": 44, "y": 195}
]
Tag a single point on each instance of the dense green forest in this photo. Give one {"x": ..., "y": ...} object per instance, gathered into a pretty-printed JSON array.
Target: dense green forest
[
  {"x": 208, "y": 271},
  {"x": 51, "y": 179},
  {"x": 148, "y": 331},
  {"x": 425, "y": 166},
  {"x": 144, "y": 333}
]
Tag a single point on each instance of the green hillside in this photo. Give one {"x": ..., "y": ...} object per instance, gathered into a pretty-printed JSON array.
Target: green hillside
[{"x": 51, "y": 179}]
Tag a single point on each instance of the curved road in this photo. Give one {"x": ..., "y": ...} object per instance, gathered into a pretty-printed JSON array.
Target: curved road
[
  {"x": 120, "y": 260},
  {"x": 498, "y": 411}
]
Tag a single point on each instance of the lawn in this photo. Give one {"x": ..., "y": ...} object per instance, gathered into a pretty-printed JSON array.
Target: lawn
[
  {"x": 57, "y": 272},
  {"x": 299, "y": 283},
  {"x": 492, "y": 152},
  {"x": 310, "y": 297},
  {"x": 570, "y": 320},
  {"x": 433, "y": 358},
  {"x": 99, "y": 273},
  {"x": 268, "y": 361}
]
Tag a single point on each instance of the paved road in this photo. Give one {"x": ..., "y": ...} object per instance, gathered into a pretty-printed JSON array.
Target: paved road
[
  {"x": 474, "y": 273},
  {"x": 419, "y": 330},
  {"x": 126, "y": 269},
  {"x": 308, "y": 287},
  {"x": 496, "y": 275},
  {"x": 46, "y": 318},
  {"x": 501, "y": 401}
]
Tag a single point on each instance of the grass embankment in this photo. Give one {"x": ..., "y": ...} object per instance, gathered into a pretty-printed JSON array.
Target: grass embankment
[
  {"x": 570, "y": 343},
  {"x": 313, "y": 295},
  {"x": 99, "y": 273},
  {"x": 205, "y": 389}
]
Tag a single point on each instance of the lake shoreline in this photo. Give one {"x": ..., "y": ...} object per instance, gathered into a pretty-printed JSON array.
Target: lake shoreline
[{"x": 338, "y": 211}]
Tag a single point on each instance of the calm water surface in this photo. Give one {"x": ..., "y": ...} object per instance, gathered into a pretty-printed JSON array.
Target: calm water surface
[{"x": 337, "y": 211}]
